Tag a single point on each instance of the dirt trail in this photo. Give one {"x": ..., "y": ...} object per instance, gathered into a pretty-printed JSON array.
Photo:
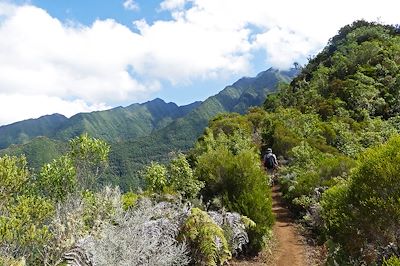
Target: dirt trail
[
  {"x": 290, "y": 250},
  {"x": 290, "y": 247}
]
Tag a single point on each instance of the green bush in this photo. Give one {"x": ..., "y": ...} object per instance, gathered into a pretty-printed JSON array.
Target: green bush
[
  {"x": 58, "y": 178},
  {"x": 336, "y": 213},
  {"x": 311, "y": 169},
  {"x": 229, "y": 123},
  {"x": 365, "y": 210},
  {"x": 236, "y": 177},
  {"x": 156, "y": 177},
  {"x": 129, "y": 200},
  {"x": 90, "y": 157},
  {"x": 14, "y": 176},
  {"x": 24, "y": 229},
  {"x": 181, "y": 177}
]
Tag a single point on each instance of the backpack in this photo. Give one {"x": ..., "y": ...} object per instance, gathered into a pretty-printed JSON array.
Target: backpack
[{"x": 269, "y": 162}]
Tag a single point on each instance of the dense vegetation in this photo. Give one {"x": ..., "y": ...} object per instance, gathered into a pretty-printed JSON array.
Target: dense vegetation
[
  {"x": 337, "y": 125},
  {"x": 63, "y": 213}
]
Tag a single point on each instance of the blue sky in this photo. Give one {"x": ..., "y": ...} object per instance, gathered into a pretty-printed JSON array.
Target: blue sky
[
  {"x": 69, "y": 56},
  {"x": 87, "y": 11}
]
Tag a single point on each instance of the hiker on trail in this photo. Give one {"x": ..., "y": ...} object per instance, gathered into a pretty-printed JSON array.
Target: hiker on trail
[{"x": 270, "y": 163}]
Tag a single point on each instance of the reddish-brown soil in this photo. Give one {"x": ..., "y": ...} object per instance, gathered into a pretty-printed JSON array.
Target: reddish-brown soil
[{"x": 290, "y": 247}]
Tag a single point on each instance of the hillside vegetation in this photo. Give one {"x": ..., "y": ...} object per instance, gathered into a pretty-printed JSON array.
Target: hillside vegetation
[
  {"x": 337, "y": 123},
  {"x": 64, "y": 214}
]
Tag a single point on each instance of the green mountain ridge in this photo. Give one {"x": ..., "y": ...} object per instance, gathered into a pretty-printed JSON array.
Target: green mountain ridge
[
  {"x": 141, "y": 133},
  {"x": 24, "y": 131},
  {"x": 124, "y": 123},
  {"x": 112, "y": 125}
]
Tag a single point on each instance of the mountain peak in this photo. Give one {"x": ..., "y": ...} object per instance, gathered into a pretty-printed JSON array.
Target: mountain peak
[
  {"x": 156, "y": 100},
  {"x": 269, "y": 76}
]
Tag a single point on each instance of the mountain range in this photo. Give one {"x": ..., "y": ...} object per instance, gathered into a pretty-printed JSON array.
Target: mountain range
[
  {"x": 117, "y": 124},
  {"x": 139, "y": 133}
]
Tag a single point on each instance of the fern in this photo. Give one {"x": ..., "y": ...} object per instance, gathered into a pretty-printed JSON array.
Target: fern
[
  {"x": 393, "y": 261},
  {"x": 234, "y": 226},
  {"x": 206, "y": 239}
]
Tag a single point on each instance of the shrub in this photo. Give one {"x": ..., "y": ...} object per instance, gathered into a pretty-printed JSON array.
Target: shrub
[
  {"x": 364, "y": 213},
  {"x": 156, "y": 177},
  {"x": 144, "y": 235},
  {"x": 23, "y": 227},
  {"x": 58, "y": 178},
  {"x": 236, "y": 177},
  {"x": 129, "y": 200},
  {"x": 14, "y": 176},
  {"x": 234, "y": 226},
  {"x": 181, "y": 177},
  {"x": 101, "y": 207},
  {"x": 90, "y": 156}
]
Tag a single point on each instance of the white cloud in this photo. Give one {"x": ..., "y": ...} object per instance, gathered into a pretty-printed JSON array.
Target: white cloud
[
  {"x": 40, "y": 55},
  {"x": 131, "y": 5},
  {"x": 173, "y": 4},
  {"x": 287, "y": 30},
  {"x": 179, "y": 51},
  {"x": 109, "y": 63},
  {"x": 16, "y": 107},
  {"x": 283, "y": 47}
]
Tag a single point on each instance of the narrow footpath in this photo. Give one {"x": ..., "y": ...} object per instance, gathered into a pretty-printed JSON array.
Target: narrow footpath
[{"x": 290, "y": 248}]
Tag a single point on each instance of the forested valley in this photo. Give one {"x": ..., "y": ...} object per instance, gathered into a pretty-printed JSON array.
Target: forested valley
[{"x": 335, "y": 129}]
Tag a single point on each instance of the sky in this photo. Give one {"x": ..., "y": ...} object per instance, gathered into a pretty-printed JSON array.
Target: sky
[{"x": 70, "y": 56}]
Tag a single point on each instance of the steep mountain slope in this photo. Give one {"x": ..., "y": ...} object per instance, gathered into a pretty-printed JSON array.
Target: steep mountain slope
[
  {"x": 22, "y": 132},
  {"x": 120, "y": 123},
  {"x": 129, "y": 157},
  {"x": 357, "y": 75},
  {"x": 113, "y": 125}
]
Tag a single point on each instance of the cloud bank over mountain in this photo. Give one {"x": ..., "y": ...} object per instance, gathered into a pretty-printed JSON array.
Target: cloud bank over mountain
[{"x": 89, "y": 67}]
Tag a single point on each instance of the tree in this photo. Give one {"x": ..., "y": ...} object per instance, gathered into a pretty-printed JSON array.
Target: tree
[
  {"x": 181, "y": 177},
  {"x": 14, "y": 176},
  {"x": 156, "y": 177},
  {"x": 90, "y": 156},
  {"x": 58, "y": 178}
]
